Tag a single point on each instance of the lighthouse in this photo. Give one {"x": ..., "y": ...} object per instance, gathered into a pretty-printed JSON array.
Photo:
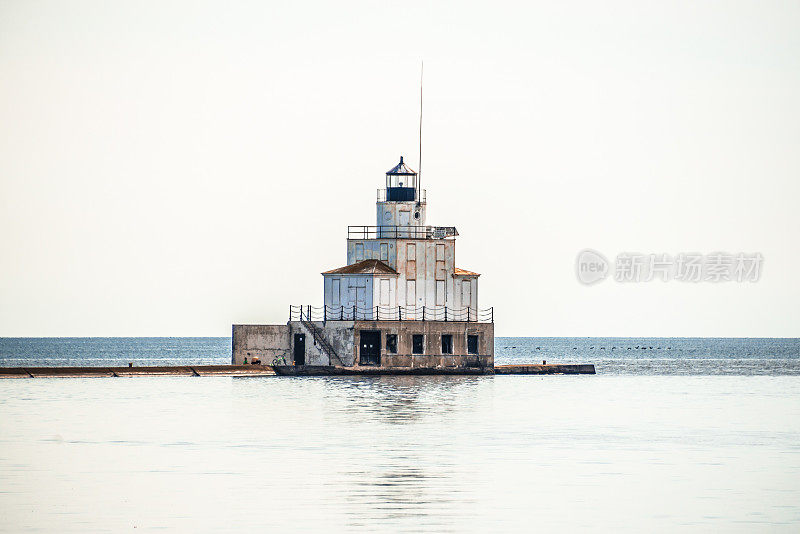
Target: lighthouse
[
  {"x": 401, "y": 263},
  {"x": 399, "y": 303}
]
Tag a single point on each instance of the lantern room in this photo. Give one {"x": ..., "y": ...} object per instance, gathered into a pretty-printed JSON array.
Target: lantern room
[{"x": 401, "y": 183}]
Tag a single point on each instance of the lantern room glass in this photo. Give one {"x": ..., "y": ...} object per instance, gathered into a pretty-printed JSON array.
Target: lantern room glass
[{"x": 401, "y": 180}]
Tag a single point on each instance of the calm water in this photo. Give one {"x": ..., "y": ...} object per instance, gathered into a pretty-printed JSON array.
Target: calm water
[
  {"x": 641, "y": 356},
  {"x": 651, "y": 447}
]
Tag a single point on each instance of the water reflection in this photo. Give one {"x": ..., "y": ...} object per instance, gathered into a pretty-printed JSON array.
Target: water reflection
[
  {"x": 400, "y": 453},
  {"x": 399, "y": 399},
  {"x": 416, "y": 475}
]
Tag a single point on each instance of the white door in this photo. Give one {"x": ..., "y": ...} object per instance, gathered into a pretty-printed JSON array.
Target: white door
[
  {"x": 405, "y": 218},
  {"x": 405, "y": 221}
]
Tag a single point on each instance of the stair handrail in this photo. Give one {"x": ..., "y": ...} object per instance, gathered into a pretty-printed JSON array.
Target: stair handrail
[{"x": 317, "y": 335}]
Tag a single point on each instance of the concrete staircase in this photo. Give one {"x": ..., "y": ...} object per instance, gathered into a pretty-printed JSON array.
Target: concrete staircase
[{"x": 319, "y": 339}]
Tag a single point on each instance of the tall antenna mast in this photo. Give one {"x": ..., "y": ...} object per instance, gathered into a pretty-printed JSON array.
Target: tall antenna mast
[{"x": 419, "y": 166}]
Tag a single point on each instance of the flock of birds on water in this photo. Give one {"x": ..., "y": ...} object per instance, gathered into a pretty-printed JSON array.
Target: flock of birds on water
[{"x": 612, "y": 348}]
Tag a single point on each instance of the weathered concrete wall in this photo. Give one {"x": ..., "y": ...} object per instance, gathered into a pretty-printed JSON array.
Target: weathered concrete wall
[
  {"x": 263, "y": 341},
  {"x": 432, "y": 332},
  {"x": 338, "y": 333},
  {"x": 268, "y": 341}
]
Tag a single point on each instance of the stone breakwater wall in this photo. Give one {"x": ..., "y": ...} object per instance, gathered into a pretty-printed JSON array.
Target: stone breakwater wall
[{"x": 283, "y": 370}]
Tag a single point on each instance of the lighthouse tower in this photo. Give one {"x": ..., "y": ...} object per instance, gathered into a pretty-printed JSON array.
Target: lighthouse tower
[
  {"x": 400, "y": 204},
  {"x": 400, "y": 304},
  {"x": 401, "y": 266}
]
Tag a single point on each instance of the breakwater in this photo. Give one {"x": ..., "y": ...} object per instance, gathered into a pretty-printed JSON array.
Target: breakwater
[{"x": 282, "y": 370}]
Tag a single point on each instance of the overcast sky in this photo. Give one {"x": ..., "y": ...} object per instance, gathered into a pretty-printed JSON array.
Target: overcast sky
[{"x": 170, "y": 168}]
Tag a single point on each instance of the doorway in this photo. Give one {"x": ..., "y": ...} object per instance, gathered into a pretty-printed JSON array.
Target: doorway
[
  {"x": 299, "y": 349},
  {"x": 370, "y": 347}
]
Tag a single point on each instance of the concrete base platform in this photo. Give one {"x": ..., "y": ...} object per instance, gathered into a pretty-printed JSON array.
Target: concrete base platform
[
  {"x": 177, "y": 370},
  {"x": 286, "y": 370},
  {"x": 534, "y": 369},
  {"x": 325, "y": 370},
  {"x": 174, "y": 370}
]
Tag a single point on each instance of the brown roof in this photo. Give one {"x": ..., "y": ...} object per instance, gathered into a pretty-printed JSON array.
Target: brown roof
[
  {"x": 364, "y": 267},
  {"x": 464, "y": 272}
]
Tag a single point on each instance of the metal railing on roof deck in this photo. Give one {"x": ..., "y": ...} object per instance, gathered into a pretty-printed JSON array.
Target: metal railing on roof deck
[
  {"x": 401, "y": 232},
  {"x": 421, "y": 195},
  {"x": 390, "y": 313}
]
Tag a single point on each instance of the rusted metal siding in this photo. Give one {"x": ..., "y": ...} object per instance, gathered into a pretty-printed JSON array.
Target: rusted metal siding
[
  {"x": 433, "y": 265},
  {"x": 385, "y": 290},
  {"x": 354, "y": 290},
  {"x": 389, "y": 214},
  {"x": 425, "y": 266},
  {"x": 466, "y": 292},
  {"x": 372, "y": 249}
]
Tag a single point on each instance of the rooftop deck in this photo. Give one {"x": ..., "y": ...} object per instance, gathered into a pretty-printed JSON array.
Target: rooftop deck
[
  {"x": 390, "y": 313},
  {"x": 401, "y": 232}
]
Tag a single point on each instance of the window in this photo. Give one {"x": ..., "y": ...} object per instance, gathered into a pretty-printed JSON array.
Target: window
[
  {"x": 411, "y": 252},
  {"x": 440, "y": 262},
  {"x": 447, "y": 344},
  {"x": 359, "y": 251},
  {"x": 472, "y": 344},
  {"x": 439, "y": 251},
  {"x": 384, "y": 289},
  {"x": 336, "y": 291},
  {"x": 418, "y": 344},
  {"x": 411, "y": 293},
  {"x": 466, "y": 293},
  {"x": 384, "y": 251},
  {"x": 440, "y": 270},
  {"x": 440, "y": 293},
  {"x": 391, "y": 343}
]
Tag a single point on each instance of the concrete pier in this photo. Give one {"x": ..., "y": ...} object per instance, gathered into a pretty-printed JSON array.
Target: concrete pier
[
  {"x": 544, "y": 369},
  {"x": 172, "y": 370},
  {"x": 285, "y": 370}
]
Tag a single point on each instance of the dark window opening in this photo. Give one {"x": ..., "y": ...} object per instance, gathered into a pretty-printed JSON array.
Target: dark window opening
[
  {"x": 418, "y": 344},
  {"x": 447, "y": 344},
  {"x": 472, "y": 344},
  {"x": 391, "y": 343}
]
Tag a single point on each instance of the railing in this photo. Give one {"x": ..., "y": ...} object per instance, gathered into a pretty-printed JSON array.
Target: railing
[
  {"x": 421, "y": 195},
  {"x": 401, "y": 232},
  {"x": 390, "y": 313}
]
